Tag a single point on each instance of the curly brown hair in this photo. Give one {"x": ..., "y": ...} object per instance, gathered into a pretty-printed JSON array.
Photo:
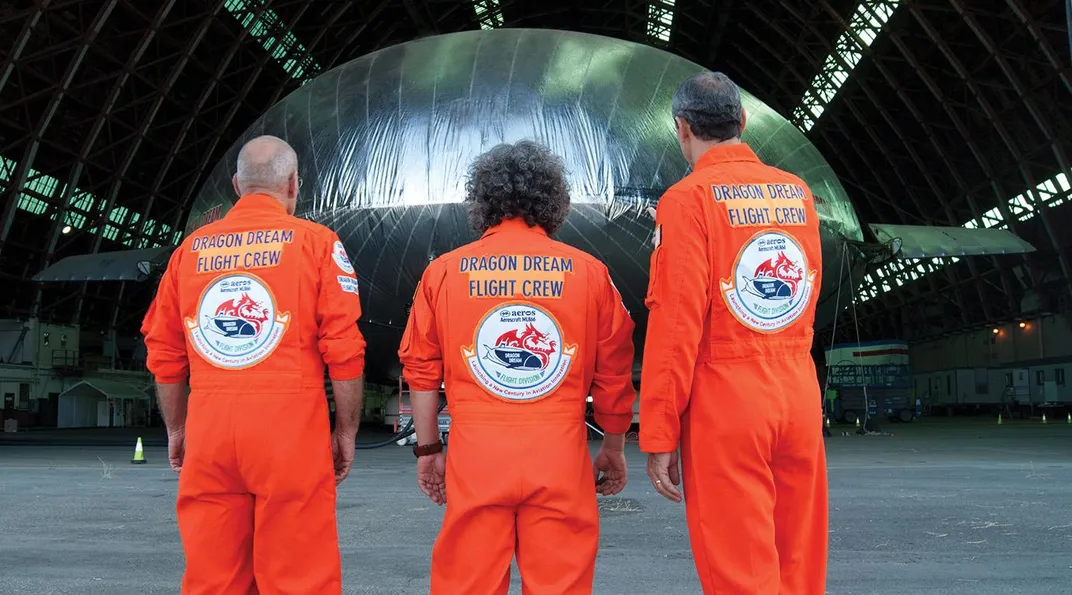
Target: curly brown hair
[{"x": 524, "y": 180}]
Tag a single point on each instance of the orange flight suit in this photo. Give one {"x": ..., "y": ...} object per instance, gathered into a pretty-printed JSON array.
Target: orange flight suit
[
  {"x": 522, "y": 329},
  {"x": 728, "y": 373},
  {"x": 251, "y": 308}
]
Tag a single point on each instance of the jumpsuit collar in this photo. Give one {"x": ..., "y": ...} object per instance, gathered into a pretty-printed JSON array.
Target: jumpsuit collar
[
  {"x": 514, "y": 224},
  {"x": 259, "y": 202},
  {"x": 726, "y": 153}
]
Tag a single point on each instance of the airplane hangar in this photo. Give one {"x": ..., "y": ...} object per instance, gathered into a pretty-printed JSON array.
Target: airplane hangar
[{"x": 934, "y": 135}]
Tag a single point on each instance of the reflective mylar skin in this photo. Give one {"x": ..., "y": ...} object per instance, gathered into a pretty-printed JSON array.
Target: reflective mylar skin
[{"x": 384, "y": 143}]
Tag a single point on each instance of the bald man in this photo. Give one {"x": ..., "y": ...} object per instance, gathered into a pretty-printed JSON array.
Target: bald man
[{"x": 250, "y": 311}]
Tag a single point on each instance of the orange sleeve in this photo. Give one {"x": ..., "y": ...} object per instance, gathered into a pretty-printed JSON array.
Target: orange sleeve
[
  {"x": 612, "y": 383},
  {"x": 677, "y": 302},
  {"x": 338, "y": 309},
  {"x": 165, "y": 339},
  {"x": 420, "y": 352}
]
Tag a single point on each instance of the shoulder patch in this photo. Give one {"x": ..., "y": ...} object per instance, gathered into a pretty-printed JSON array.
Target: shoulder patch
[
  {"x": 657, "y": 237},
  {"x": 348, "y": 284},
  {"x": 338, "y": 253}
]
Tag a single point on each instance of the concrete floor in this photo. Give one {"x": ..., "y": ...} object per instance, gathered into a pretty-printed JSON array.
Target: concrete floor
[{"x": 940, "y": 507}]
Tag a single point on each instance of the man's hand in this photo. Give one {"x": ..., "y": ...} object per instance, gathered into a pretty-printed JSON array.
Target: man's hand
[
  {"x": 432, "y": 477},
  {"x": 176, "y": 448},
  {"x": 664, "y": 474},
  {"x": 612, "y": 463},
  {"x": 343, "y": 446}
]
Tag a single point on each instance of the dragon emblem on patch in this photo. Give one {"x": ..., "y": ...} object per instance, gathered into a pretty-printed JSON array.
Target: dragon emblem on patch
[
  {"x": 518, "y": 353},
  {"x": 771, "y": 284}
]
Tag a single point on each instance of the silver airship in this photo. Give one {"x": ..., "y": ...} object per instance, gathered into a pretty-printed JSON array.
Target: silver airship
[{"x": 385, "y": 140}]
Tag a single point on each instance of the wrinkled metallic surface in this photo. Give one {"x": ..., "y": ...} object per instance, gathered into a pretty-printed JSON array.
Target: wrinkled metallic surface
[{"x": 384, "y": 142}]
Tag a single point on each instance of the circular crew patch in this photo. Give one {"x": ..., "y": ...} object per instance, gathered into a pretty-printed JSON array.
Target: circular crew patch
[
  {"x": 518, "y": 353},
  {"x": 237, "y": 324},
  {"x": 338, "y": 252},
  {"x": 771, "y": 283}
]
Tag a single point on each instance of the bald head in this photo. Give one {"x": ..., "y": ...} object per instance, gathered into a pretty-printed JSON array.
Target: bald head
[{"x": 268, "y": 165}]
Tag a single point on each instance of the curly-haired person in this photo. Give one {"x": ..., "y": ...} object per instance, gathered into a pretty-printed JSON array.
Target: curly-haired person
[
  {"x": 522, "y": 329},
  {"x": 522, "y": 181}
]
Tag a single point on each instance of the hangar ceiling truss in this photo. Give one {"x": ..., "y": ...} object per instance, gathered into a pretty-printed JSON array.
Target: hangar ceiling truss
[{"x": 932, "y": 113}]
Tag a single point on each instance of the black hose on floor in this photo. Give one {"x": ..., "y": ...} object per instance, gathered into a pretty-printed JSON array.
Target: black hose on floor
[{"x": 403, "y": 433}]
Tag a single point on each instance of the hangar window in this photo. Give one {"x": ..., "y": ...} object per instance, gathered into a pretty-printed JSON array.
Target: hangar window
[
  {"x": 897, "y": 273},
  {"x": 1021, "y": 208},
  {"x": 34, "y": 182},
  {"x": 991, "y": 218},
  {"x": 42, "y": 188},
  {"x": 488, "y": 13},
  {"x": 864, "y": 26},
  {"x": 82, "y": 207},
  {"x": 1060, "y": 187},
  {"x": 271, "y": 32},
  {"x": 1059, "y": 375},
  {"x": 117, "y": 217},
  {"x": 148, "y": 229},
  {"x": 1049, "y": 193},
  {"x": 1040, "y": 377},
  {"x": 127, "y": 236},
  {"x": 660, "y": 20}
]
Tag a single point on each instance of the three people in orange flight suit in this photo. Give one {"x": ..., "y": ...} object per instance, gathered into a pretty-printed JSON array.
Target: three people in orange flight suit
[
  {"x": 522, "y": 329},
  {"x": 249, "y": 312},
  {"x": 727, "y": 368}
]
